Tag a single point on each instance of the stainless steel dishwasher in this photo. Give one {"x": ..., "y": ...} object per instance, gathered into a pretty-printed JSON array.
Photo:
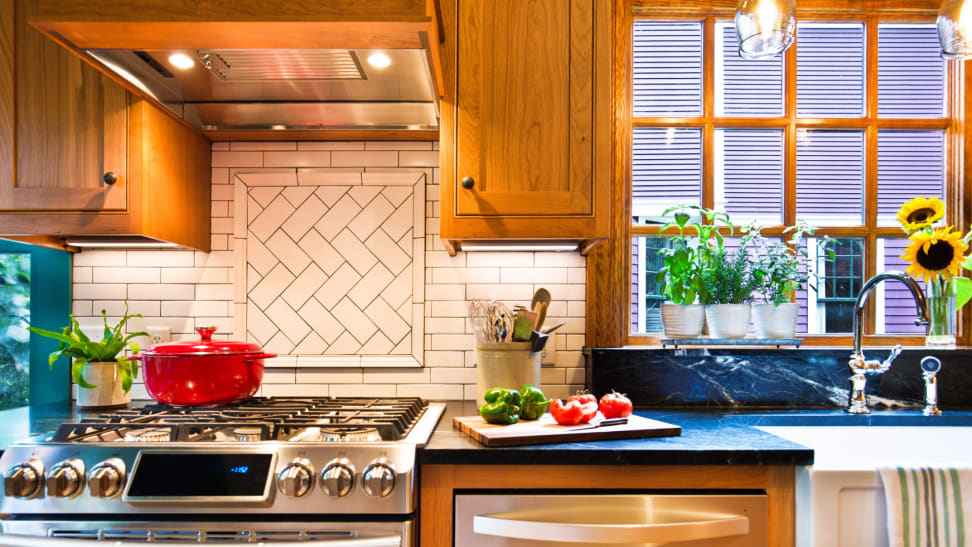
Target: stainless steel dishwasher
[{"x": 515, "y": 520}]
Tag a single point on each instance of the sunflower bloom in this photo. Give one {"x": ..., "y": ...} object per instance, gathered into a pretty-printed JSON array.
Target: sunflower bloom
[
  {"x": 936, "y": 254},
  {"x": 920, "y": 213}
]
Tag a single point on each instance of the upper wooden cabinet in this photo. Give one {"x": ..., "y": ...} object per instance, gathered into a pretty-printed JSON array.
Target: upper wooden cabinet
[
  {"x": 525, "y": 120},
  {"x": 81, "y": 156}
]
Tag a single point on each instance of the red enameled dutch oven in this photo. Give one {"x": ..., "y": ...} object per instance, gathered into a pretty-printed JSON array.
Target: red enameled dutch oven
[{"x": 202, "y": 372}]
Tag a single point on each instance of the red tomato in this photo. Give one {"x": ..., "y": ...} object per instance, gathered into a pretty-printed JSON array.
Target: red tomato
[
  {"x": 573, "y": 412},
  {"x": 584, "y": 397},
  {"x": 615, "y": 405}
]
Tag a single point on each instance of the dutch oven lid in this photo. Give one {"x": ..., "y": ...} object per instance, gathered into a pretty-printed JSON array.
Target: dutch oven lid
[{"x": 205, "y": 346}]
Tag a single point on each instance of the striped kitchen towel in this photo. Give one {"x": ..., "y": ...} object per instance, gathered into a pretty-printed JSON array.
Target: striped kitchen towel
[{"x": 928, "y": 506}]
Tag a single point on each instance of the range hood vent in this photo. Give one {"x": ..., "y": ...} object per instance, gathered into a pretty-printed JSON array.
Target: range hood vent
[{"x": 254, "y": 65}]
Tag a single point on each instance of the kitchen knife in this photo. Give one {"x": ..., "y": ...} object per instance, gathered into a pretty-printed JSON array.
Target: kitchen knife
[{"x": 602, "y": 423}]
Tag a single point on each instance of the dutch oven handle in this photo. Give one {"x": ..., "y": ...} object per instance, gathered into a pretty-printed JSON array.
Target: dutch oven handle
[{"x": 261, "y": 356}]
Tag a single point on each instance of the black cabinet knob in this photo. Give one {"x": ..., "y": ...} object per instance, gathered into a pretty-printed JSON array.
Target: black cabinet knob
[
  {"x": 468, "y": 183},
  {"x": 110, "y": 177}
]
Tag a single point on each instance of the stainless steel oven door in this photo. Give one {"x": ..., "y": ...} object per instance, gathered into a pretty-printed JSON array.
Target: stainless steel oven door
[
  {"x": 27, "y": 533},
  {"x": 513, "y": 520}
]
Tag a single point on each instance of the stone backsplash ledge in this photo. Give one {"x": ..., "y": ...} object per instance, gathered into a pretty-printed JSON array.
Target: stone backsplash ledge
[{"x": 794, "y": 378}]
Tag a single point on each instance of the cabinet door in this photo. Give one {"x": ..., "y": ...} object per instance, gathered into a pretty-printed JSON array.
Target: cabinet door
[
  {"x": 524, "y": 120},
  {"x": 71, "y": 129}
]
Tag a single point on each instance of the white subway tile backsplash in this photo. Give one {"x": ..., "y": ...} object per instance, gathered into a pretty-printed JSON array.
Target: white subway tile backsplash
[{"x": 185, "y": 289}]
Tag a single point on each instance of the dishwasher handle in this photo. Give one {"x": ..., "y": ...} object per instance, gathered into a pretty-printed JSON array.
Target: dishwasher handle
[
  {"x": 7, "y": 540},
  {"x": 550, "y": 525}
]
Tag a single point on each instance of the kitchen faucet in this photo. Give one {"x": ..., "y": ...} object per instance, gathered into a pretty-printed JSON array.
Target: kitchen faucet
[{"x": 858, "y": 363}]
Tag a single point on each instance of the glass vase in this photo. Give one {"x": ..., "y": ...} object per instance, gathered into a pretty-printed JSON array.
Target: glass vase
[{"x": 940, "y": 295}]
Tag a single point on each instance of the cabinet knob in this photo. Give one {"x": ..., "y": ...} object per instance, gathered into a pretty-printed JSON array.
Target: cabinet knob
[
  {"x": 468, "y": 183},
  {"x": 110, "y": 177}
]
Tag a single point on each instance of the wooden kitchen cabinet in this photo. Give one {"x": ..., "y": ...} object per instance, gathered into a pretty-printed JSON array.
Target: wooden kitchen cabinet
[
  {"x": 525, "y": 120},
  {"x": 81, "y": 156},
  {"x": 440, "y": 482}
]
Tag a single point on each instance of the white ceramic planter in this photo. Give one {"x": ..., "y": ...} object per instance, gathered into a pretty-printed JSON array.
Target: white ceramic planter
[
  {"x": 682, "y": 321},
  {"x": 108, "y": 390},
  {"x": 727, "y": 320},
  {"x": 776, "y": 321}
]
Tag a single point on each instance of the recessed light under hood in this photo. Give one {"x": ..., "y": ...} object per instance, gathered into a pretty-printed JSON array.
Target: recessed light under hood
[{"x": 260, "y": 89}]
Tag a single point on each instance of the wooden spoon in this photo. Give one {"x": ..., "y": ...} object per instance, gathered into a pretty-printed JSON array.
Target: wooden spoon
[{"x": 539, "y": 304}]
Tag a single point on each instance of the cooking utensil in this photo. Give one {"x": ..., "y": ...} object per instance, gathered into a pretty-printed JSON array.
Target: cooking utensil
[
  {"x": 523, "y": 325},
  {"x": 537, "y": 341},
  {"x": 555, "y": 327},
  {"x": 603, "y": 423},
  {"x": 539, "y": 304},
  {"x": 202, "y": 372},
  {"x": 545, "y": 430},
  {"x": 492, "y": 321}
]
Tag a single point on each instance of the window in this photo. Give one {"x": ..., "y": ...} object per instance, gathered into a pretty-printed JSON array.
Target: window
[{"x": 813, "y": 134}]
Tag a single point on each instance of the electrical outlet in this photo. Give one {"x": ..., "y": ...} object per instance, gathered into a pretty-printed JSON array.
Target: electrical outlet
[
  {"x": 548, "y": 356},
  {"x": 158, "y": 335}
]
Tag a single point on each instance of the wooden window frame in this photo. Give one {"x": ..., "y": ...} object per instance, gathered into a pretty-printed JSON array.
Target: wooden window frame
[{"x": 609, "y": 268}]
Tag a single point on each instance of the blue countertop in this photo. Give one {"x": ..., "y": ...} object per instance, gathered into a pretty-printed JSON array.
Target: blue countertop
[{"x": 709, "y": 436}]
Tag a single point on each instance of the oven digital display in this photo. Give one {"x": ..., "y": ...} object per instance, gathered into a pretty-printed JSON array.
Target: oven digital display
[{"x": 200, "y": 475}]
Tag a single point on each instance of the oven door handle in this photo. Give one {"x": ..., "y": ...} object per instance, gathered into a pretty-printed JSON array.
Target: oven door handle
[
  {"x": 551, "y": 525},
  {"x": 32, "y": 541}
]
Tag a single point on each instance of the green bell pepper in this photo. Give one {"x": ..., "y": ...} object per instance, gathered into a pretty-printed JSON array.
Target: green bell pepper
[
  {"x": 502, "y": 406},
  {"x": 535, "y": 403}
]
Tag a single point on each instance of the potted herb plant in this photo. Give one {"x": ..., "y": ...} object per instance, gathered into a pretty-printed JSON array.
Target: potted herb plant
[
  {"x": 730, "y": 284},
  {"x": 102, "y": 371},
  {"x": 782, "y": 268},
  {"x": 680, "y": 277}
]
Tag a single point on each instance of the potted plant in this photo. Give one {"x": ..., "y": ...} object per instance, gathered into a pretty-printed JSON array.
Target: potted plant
[
  {"x": 730, "y": 284},
  {"x": 680, "y": 277},
  {"x": 782, "y": 268},
  {"x": 102, "y": 371}
]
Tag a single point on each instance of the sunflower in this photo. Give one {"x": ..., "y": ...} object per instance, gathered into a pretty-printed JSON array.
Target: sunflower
[
  {"x": 939, "y": 253},
  {"x": 920, "y": 213}
]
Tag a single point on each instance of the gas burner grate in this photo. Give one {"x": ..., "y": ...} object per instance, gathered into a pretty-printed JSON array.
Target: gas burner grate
[{"x": 348, "y": 419}]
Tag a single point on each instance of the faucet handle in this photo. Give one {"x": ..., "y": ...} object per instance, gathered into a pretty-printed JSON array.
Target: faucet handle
[
  {"x": 930, "y": 365},
  {"x": 895, "y": 352}
]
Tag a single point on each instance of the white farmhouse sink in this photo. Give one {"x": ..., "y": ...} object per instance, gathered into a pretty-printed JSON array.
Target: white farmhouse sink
[{"x": 840, "y": 498}]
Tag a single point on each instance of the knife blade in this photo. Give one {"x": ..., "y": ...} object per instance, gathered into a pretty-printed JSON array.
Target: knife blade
[{"x": 602, "y": 423}]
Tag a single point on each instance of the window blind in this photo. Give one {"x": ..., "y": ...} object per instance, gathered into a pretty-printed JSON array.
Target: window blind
[
  {"x": 666, "y": 170},
  {"x": 910, "y": 164},
  {"x": 749, "y": 174},
  {"x": 667, "y": 58},
  {"x": 911, "y": 72},
  {"x": 830, "y": 70},
  {"x": 830, "y": 177},
  {"x": 746, "y": 87}
]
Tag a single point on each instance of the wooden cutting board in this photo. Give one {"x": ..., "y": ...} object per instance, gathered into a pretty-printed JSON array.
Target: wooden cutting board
[{"x": 547, "y": 431}]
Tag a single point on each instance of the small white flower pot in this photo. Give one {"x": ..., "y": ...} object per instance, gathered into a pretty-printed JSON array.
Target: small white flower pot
[
  {"x": 776, "y": 321},
  {"x": 682, "y": 321},
  {"x": 727, "y": 320},
  {"x": 108, "y": 390}
]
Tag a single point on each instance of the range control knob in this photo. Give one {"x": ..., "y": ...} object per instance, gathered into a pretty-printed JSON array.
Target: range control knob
[
  {"x": 296, "y": 478},
  {"x": 378, "y": 479},
  {"x": 24, "y": 479},
  {"x": 107, "y": 478},
  {"x": 65, "y": 479},
  {"x": 337, "y": 479}
]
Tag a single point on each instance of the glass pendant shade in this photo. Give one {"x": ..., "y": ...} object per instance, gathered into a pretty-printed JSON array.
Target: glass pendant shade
[
  {"x": 765, "y": 27},
  {"x": 955, "y": 29}
]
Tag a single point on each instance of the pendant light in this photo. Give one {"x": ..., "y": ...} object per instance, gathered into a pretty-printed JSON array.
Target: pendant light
[
  {"x": 955, "y": 29},
  {"x": 765, "y": 27}
]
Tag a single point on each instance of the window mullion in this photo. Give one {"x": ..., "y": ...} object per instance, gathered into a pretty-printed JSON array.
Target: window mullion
[
  {"x": 870, "y": 164},
  {"x": 789, "y": 154}
]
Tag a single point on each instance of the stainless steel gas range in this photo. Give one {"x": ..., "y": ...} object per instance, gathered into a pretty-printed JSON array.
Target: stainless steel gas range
[{"x": 329, "y": 471}]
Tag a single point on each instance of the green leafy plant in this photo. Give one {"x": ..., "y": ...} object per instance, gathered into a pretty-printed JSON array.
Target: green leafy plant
[
  {"x": 82, "y": 350},
  {"x": 782, "y": 265},
  {"x": 729, "y": 277},
  {"x": 681, "y": 275}
]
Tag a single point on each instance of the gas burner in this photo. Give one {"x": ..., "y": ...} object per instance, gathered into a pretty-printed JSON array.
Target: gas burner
[
  {"x": 148, "y": 435},
  {"x": 248, "y": 434}
]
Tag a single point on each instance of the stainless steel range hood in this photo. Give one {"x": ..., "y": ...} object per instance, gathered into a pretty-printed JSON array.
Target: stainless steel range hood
[{"x": 285, "y": 89}]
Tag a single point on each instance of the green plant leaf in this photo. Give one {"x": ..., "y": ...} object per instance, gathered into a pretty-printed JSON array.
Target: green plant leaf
[
  {"x": 963, "y": 290},
  {"x": 77, "y": 373}
]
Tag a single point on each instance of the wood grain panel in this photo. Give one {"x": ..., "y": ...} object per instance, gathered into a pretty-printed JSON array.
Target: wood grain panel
[
  {"x": 438, "y": 483},
  {"x": 7, "y": 93},
  {"x": 71, "y": 127}
]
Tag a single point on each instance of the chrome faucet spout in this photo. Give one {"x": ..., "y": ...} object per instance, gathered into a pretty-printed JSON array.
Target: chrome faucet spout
[{"x": 859, "y": 365}]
